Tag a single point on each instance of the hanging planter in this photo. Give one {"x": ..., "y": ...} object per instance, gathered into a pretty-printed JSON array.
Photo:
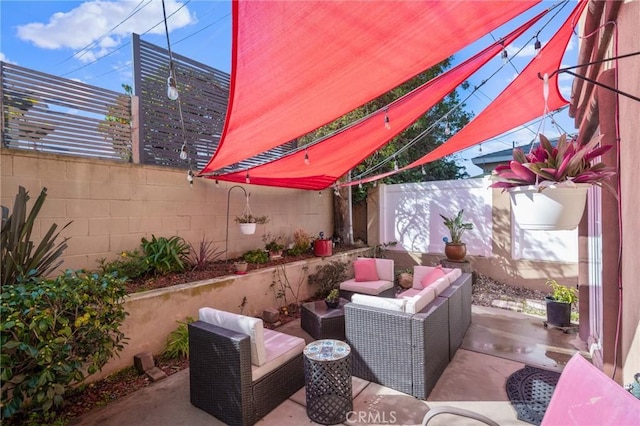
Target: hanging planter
[
  {"x": 554, "y": 208},
  {"x": 248, "y": 221},
  {"x": 548, "y": 186}
]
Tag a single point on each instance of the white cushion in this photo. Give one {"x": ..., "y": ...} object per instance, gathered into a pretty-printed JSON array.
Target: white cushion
[
  {"x": 385, "y": 269},
  {"x": 420, "y": 300},
  {"x": 439, "y": 285},
  {"x": 408, "y": 294},
  {"x": 366, "y": 287},
  {"x": 242, "y": 324},
  {"x": 280, "y": 349},
  {"x": 379, "y": 302},
  {"x": 453, "y": 274}
]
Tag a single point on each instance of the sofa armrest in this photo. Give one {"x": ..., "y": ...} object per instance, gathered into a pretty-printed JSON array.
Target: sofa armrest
[
  {"x": 380, "y": 343},
  {"x": 220, "y": 372}
]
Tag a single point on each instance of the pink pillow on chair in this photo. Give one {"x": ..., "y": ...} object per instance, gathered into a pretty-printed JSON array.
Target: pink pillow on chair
[
  {"x": 429, "y": 278},
  {"x": 365, "y": 270}
]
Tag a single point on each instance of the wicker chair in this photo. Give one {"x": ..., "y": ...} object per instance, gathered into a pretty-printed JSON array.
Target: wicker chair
[
  {"x": 404, "y": 351},
  {"x": 220, "y": 376}
]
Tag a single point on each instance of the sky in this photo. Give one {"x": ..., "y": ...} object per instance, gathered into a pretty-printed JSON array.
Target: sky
[{"x": 90, "y": 41}]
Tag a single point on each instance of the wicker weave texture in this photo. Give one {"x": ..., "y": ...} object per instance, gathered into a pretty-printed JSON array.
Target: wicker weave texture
[
  {"x": 459, "y": 296},
  {"x": 220, "y": 376},
  {"x": 321, "y": 323},
  {"x": 380, "y": 343}
]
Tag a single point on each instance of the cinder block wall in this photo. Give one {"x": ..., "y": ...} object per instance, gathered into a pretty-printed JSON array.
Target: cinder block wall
[{"x": 113, "y": 205}]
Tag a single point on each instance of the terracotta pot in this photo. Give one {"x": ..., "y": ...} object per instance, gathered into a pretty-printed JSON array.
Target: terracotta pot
[{"x": 455, "y": 251}]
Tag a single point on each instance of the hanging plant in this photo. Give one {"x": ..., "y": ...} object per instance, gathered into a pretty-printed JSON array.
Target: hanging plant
[
  {"x": 548, "y": 186},
  {"x": 248, "y": 221}
]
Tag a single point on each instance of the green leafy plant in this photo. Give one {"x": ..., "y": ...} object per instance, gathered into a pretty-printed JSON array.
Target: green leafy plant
[
  {"x": 333, "y": 295},
  {"x": 256, "y": 256},
  {"x": 52, "y": 332},
  {"x": 249, "y": 218},
  {"x": 128, "y": 264},
  {"x": 205, "y": 253},
  {"x": 166, "y": 255},
  {"x": 19, "y": 256},
  {"x": 273, "y": 243},
  {"x": 178, "y": 341},
  {"x": 569, "y": 163},
  {"x": 561, "y": 293},
  {"x": 456, "y": 227},
  {"x": 328, "y": 277}
]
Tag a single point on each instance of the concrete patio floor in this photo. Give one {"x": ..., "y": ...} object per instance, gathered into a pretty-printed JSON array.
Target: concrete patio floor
[{"x": 498, "y": 343}]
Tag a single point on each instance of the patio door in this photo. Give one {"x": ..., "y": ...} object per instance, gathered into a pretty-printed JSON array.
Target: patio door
[{"x": 595, "y": 271}]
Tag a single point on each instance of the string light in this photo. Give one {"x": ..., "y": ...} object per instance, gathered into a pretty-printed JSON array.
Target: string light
[
  {"x": 172, "y": 89},
  {"x": 247, "y": 179},
  {"x": 217, "y": 184},
  {"x": 360, "y": 185},
  {"x": 306, "y": 157},
  {"x": 375, "y": 183},
  {"x": 447, "y": 129},
  {"x": 183, "y": 152},
  {"x": 537, "y": 45},
  {"x": 190, "y": 177},
  {"x": 422, "y": 170},
  {"x": 480, "y": 148},
  {"x": 504, "y": 55},
  {"x": 395, "y": 165},
  {"x": 319, "y": 193},
  {"x": 387, "y": 124}
]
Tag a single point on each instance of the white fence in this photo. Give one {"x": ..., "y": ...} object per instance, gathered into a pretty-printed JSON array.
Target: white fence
[{"x": 410, "y": 215}]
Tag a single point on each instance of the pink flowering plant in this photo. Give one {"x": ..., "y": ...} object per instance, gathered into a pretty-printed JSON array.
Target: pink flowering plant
[{"x": 566, "y": 164}]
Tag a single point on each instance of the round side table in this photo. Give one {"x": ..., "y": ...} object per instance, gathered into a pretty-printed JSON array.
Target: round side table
[{"x": 327, "y": 378}]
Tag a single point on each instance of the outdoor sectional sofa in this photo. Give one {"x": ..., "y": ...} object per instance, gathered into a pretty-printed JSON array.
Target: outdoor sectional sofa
[
  {"x": 239, "y": 371},
  {"x": 405, "y": 343}
]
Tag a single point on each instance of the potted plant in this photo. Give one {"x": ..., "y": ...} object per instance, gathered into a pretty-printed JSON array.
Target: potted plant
[
  {"x": 548, "y": 186},
  {"x": 241, "y": 267},
  {"x": 274, "y": 244},
  {"x": 248, "y": 222},
  {"x": 455, "y": 250},
  {"x": 559, "y": 304},
  {"x": 332, "y": 299}
]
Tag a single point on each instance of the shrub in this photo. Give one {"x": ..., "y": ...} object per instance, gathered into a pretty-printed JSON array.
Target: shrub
[
  {"x": 18, "y": 259},
  {"x": 129, "y": 264},
  {"x": 256, "y": 256},
  {"x": 54, "y": 330},
  {"x": 166, "y": 255},
  {"x": 178, "y": 341},
  {"x": 301, "y": 243},
  {"x": 328, "y": 276}
]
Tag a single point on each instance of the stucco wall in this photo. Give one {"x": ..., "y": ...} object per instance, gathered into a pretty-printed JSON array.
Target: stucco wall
[
  {"x": 114, "y": 205},
  {"x": 150, "y": 319},
  {"x": 628, "y": 72}
]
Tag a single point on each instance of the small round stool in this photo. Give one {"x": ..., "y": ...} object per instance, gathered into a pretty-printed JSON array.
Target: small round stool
[{"x": 327, "y": 378}]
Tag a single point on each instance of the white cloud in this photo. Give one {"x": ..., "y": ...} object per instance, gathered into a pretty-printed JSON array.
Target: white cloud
[
  {"x": 92, "y": 24},
  {"x": 527, "y": 51},
  {"x": 3, "y": 58}
]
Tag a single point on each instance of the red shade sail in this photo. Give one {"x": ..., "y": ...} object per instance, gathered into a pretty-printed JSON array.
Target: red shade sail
[
  {"x": 331, "y": 158},
  {"x": 520, "y": 102},
  {"x": 297, "y": 65}
]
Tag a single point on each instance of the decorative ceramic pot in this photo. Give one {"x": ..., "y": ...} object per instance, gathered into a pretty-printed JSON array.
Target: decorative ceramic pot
[
  {"x": 558, "y": 313},
  {"x": 248, "y": 228},
  {"x": 553, "y": 208},
  {"x": 455, "y": 251}
]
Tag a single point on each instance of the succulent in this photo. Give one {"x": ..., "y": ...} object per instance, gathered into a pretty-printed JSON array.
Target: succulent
[{"x": 568, "y": 163}]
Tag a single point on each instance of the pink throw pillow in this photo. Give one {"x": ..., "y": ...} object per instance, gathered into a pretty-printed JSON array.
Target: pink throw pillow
[
  {"x": 365, "y": 270},
  {"x": 430, "y": 277}
]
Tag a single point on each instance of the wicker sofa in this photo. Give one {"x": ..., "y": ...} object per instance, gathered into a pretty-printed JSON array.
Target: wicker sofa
[
  {"x": 408, "y": 351},
  {"x": 225, "y": 378}
]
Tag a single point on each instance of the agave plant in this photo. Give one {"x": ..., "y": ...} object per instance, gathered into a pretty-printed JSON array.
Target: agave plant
[{"x": 567, "y": 164}]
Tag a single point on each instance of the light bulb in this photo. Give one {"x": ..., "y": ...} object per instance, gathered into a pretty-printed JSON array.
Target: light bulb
[
  {"x": 306, "y": 158},
  {"x": 172, "y": 90},
  {"x": 190, "y": 177},
  {"x": 319, "y": 193},
  {"x": 395, "y": 165},
  {"x": 537, "y": 45},
  {"x": 217, "y": 184},
  {"x": 247, "y": 179},
  {"x": 183, "y": 152},
  {"x": 480, "y": 148},
  {"x": 447, "y": 130},
  {"x": 375, "y": 183},
  {"x": 505, "y": 56},
  {"x": 422, "y": 171},
  {"x": 387, "y": 124},
  {"x": 360, "y": 185}
]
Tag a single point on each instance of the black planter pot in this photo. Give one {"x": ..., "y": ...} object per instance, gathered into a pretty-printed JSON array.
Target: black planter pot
[
  {"x": 332, "y": 305},
  {"x": 558, "y": 313}
]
